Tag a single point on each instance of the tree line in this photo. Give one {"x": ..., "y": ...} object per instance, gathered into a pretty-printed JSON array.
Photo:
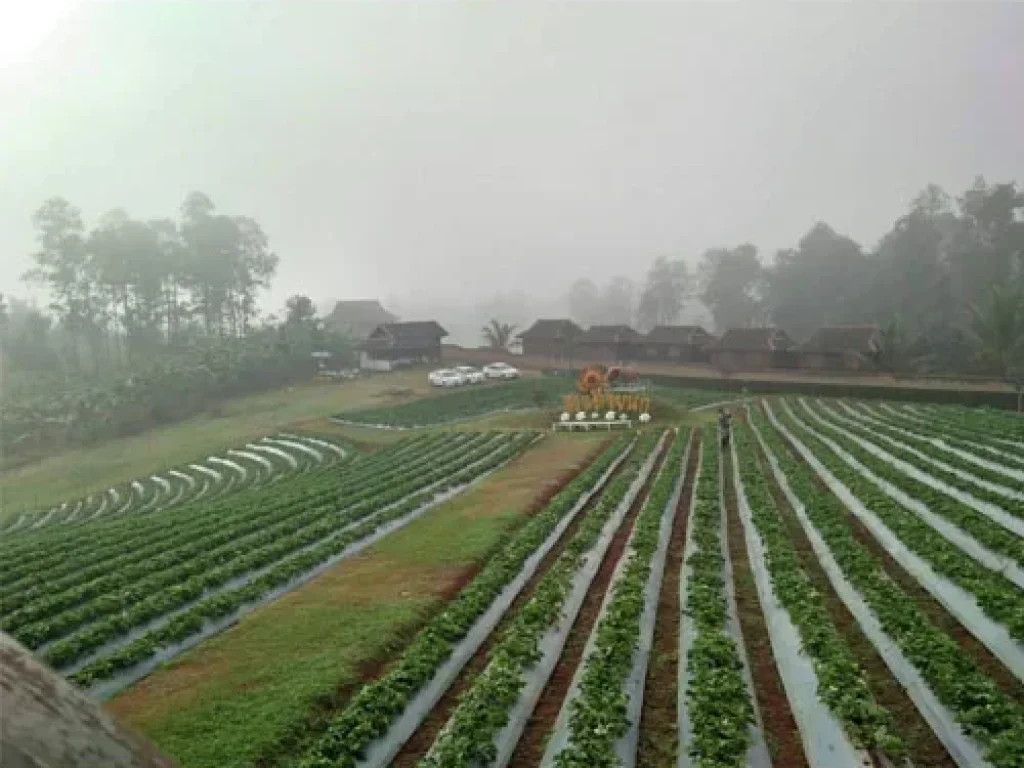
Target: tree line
[
  {"x": 945, "y": 285},
  {"x": 148, "y": 322},
  {"x": 128, "y": 287}
]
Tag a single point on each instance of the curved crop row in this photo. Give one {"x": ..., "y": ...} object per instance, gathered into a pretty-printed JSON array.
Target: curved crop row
[
  {"x": 142, "y": 543},
  {"x": 842, "y": 684},
  {"x": 598, "y": 715},
  {"x": 718, "y": 700},
  {"x": 986, "y": 714},
  {"x": 210, "y": 561},
  {"x": 997, "y": 596},
  {"x": 484, "y": 708},
  {"x": 191, "y": 583},
  {"x": 163, "y": 490},
  {"x": 54, "y": 546},
  {"x": 224, "y": 603},
  {"x": 373, "y": 711}
]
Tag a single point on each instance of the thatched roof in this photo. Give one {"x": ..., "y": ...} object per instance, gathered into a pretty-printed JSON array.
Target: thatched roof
[
  {"x": 358, "y": 319},
  {"x": 860, "y": 339},
  {"x": 678, "y": 334},
  {"x": 754, "y": 340},
  {"x": 609, "y": 334},
  {"x": 556, "y": 330}
]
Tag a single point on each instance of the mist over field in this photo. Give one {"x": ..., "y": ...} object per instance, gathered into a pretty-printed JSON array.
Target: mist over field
[{"x": 451, "y": 153}]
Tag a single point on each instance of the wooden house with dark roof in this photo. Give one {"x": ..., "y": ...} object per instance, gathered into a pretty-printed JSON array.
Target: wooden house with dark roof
[
  {"x": 393, "y": 345},
  {"x": 551, "y": 338},
  {"x": 841, "y": 348},
  {"x": 609, "y": 344},
  {"x": 754, "y": 349},
  {"x": 358, "y": 319},
  {"x": 677, "y": 343}
]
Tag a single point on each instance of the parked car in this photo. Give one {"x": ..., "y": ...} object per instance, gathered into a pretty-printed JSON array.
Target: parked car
[
  {"x": 470, "y": 374},
  {"x": 501, "y": 371},
  {"x": 434, "y": 377},
  {"x": 450, "y": 378}
]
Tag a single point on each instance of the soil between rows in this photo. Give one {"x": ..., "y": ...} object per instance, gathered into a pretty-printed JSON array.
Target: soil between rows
[
  {"x": 939, "y": 616},
  {"x": 296, "y": 740},
  {"x": 659, "y": 721},
  {"x": 530, "y": 749},
  {"x": 780, "y": 730},
  {"x": 921, "y": 741},
  {"x": 423, "y": 738}
]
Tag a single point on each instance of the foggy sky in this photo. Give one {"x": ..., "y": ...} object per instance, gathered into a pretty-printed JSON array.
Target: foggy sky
[{"x": 453, "y": 151}]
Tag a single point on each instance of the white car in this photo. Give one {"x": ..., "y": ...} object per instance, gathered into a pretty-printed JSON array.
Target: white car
[
  {"x": 446, "y": 378},
  {"x": 470, "y": 374},
  {"x": 452, "y": 378},
  {"x": 501, "y": 371}
]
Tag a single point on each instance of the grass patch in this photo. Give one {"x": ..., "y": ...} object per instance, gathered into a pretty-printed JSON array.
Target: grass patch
[{"x": 233, "y": 698}]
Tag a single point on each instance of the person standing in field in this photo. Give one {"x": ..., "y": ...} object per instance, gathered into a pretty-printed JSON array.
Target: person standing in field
[{"x": 724, "y": 426}]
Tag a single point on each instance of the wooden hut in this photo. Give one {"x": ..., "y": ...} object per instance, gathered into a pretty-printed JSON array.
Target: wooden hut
[
  {"x": 393, "y": 345},
  {"x": 677, "y": 343}
]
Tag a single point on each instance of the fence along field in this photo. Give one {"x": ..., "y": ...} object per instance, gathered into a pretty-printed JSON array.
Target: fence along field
[{"x": 871, "y": 554}]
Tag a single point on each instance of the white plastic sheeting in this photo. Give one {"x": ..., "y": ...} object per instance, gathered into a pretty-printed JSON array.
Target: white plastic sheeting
[
  {"x": 960, "y": 603},
  {"x": 211, "y": 473},
  {"x": 383, "y": 750},
  {"x": 757, "y": 755},
  {"x": 288, "y": 458},
  {"x": 552, "y": 642},
  {"x": 825, "y": 742},
  {"x": 106, "y": 689},
  {"x": 864, "y": 421},
  {"x": 938, "y": 442},
  {"x": 943, "y": 723},
  {"x": 633, "y": 686},
  {"x": 296, "y": 446},
  {"x": 233, "y": 466},
  {"x": 950, "y": 531}
]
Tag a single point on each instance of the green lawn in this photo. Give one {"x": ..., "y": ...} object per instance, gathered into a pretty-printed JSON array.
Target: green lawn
[
  {"x": 86, "y": 470},
  {"x": 232, "y": 699}
]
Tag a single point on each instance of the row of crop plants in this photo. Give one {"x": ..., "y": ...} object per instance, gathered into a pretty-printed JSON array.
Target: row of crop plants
[
  {"x": 980, "y": 435},
  {"x": 924, "y": 549},
  {"x": 33, "y": 565},
  {"x": 492, "y": 713},
  {"x": 949, "y": 469},
  {"x": 466, "y": 403},
  {"x": 599, "y": 720},
  {"x": 183, "y": 610},
  {"x": 387, "y": 710},
  {"x": 205, "y": 558},
  {"x": 965, "y": 524},
  {"x": 254, "y": 465},
  {"x": 977, "y": 721},
  {"x": 98, "y": 625}
]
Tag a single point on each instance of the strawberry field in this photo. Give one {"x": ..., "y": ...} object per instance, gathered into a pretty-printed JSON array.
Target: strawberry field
[{"x": 841, "y": 584}]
